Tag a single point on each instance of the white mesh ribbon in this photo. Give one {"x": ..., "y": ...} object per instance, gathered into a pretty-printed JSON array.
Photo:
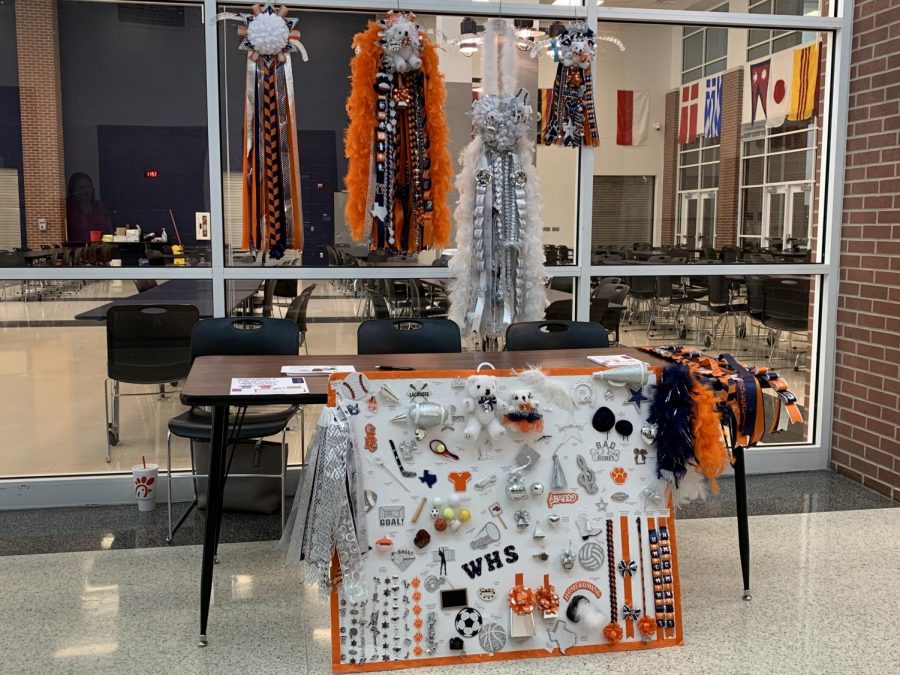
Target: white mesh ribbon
[{"x": 327, "y": 514}]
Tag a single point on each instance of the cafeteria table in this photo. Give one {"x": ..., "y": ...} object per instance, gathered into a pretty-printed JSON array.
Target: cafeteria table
[{"x": 196, "y": 292}]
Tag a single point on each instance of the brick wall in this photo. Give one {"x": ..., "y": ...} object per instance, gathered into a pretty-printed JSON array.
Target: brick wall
[
  {"x": 41, "y": 114},
  {"x": 728, "y": 196},
  {"x": 670, "y": 169},
  {"x": 866, "y": 438}
]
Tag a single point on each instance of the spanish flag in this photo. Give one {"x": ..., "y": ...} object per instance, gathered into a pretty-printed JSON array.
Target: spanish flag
[{"x": 805, "y": 83}]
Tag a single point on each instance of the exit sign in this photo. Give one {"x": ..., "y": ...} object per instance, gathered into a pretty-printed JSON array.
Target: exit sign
[{"x": 151, "y": 173}]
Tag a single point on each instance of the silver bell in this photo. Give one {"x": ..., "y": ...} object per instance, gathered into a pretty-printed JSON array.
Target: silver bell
[{"x": 537, "y": 489}]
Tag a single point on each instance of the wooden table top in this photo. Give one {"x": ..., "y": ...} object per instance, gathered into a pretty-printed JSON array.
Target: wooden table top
[{"x": 209, "y": 382}]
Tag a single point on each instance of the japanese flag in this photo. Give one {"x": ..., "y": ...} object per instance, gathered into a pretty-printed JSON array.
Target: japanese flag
[{"x": 781, "y": 72}]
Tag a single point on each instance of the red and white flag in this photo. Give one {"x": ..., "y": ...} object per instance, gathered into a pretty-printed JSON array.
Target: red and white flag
[
  {"x": 781, "y": 71},
  {"x": 632, "y": 117},
  {"x": 688, "y": 117}
]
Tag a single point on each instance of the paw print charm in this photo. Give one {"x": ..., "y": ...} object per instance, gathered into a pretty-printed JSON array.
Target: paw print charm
[{"x": 619, "y": 475}]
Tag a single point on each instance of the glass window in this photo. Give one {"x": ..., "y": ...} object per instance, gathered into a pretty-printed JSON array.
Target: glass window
[
  {"x": 703, "y": 50},
  {"x": 320, "y": 139},
  {"x": 760, "y": 319},
  {"x": 56, "y": 361},
  {"x": 135, "y": 130},
  {"x": 12, "y": 210}
]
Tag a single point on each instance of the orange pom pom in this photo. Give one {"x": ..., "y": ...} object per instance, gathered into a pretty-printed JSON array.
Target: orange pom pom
[
  {"x": 647, "y": 626},
  {"x": 613, "y": 633}
]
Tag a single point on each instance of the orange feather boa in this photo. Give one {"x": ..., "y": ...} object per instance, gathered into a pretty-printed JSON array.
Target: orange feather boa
[
  {"x": 359, "y": 136},
  {"x": 358, "y": 139},
  {"x": 709, "y": 446}
]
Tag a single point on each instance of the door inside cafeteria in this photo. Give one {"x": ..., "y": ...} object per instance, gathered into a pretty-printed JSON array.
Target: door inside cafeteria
[
  {"x": 697, "y": 224},
  {"x": 786, "y": 216}
]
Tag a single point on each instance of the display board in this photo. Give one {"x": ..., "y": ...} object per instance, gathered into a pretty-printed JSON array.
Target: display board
[{"x": 510, "y": 516}]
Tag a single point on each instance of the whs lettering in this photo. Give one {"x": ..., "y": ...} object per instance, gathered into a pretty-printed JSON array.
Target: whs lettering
[{"x": 491, "y": 560}]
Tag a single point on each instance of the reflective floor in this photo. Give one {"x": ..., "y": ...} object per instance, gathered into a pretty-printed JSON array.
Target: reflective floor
[
  {"x": 823, "y": 602},
  {"x": 52, "y": 369}
]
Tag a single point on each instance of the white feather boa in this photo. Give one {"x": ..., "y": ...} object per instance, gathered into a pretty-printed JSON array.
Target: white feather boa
[{"x": 531, "y": 253}]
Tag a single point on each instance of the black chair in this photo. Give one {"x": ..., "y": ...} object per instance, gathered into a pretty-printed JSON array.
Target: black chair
[
  {"x": 615, "y": 293},
  {"x": 563, "y": 284},
  {"x": 785, "y": 309},
  {"x": 145, "y": 284},
  {"x": 672, "y": 296},
  {"x": 268, "y": 301},
  {"x": 145, "y": 344},
  {"x": 296, "y": 312},
  {"x": 720, "y": 303},
  {"x": 378, "y": 304},
  {"x": 408, "y": 336},
  {"x": 641, "y": 292},
  {"x": 559, "y": 310},
  {"x": 555, "y": 334},
  {"x": 235, "y": 336},
  {"x": 426, "y": 302}
]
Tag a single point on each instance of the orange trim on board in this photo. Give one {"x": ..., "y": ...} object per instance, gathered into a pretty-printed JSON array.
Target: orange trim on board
[
  {"x": 636, "y": 645},
  {"x": 626, "y": 578}
]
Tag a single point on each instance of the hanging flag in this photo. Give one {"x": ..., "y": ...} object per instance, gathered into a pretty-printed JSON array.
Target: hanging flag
[
  {"x": 632, "y": 117},
  {"x": 759, "y": 88},
  {"x": 712, "y": 111},
  {"x": 779, "y": 98},
  {"x": 687, "y": 114},
  {"x": 805, "y": 83}
]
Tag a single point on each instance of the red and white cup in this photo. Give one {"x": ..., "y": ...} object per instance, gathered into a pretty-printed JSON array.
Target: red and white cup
[{"x": 145, "y": 479}]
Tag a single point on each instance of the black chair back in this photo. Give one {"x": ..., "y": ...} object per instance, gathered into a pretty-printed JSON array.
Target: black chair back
[
  {"x": 642, "y": 288},
  {"x": 145, "y": 284},
  {"x": 755, "y": 297},
  {"x": 149, "y": 344},
  {"x": 555, "y": 334},
  {"x": 614, "y": 293},
  {"x": 786, "y": 303},
  {"x": 244, "y": 336},
  {"x": 717, "y": 293},
  {"x": 380, "y": 309},
  {"x": 297, "y": 310},
  {"x": 408, "y": 336}
]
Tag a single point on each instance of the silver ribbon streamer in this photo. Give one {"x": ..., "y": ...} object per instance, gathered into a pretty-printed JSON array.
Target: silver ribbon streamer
[{"x": 328, "y": 512}]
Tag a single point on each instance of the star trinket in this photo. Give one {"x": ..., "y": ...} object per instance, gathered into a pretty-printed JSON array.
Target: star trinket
[{"x": 637, "y": 397}]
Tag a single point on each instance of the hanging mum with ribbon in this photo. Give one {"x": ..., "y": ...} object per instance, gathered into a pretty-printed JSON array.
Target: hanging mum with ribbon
[
  {"x": 273, "y": 219},
  {"x": 498, "y": 267},
  {"x": 571, "y": 120},
  {"x": 399, "y": 170}
]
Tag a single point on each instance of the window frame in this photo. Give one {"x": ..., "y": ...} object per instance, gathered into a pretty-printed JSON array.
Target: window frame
[{"x": 838, "y": 32}]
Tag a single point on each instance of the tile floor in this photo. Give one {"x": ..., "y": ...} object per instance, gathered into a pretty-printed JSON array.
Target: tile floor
[
  {"x": 822, "y": 603},
  {"x": 52, "y": 367}
]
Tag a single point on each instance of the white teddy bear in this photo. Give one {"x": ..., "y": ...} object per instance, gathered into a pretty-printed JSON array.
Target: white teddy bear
[
  {"x": 402, "y": 43},
  {"x": 483, "y": 407}
]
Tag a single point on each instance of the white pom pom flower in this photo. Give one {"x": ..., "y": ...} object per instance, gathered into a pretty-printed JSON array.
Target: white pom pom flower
[{"x": 268, "y": 33}]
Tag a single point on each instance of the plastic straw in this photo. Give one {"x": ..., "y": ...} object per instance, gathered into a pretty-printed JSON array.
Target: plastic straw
[{"x": 144, "y": 461}]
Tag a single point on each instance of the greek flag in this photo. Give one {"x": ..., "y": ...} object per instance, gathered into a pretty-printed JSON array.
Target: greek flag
[{"x": 712, "y": 112}]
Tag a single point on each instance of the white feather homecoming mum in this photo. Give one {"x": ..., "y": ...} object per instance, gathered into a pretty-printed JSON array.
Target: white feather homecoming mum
[{"x": 499, "y": 261}]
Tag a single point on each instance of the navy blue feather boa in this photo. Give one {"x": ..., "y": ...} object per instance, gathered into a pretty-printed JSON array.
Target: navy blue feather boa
[{"x": 671, "y": 410}]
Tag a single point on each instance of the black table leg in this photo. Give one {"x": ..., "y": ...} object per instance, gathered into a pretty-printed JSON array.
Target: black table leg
[
  {"x": 213, "y": 511},
  {"x": 740, "y": 495}
]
